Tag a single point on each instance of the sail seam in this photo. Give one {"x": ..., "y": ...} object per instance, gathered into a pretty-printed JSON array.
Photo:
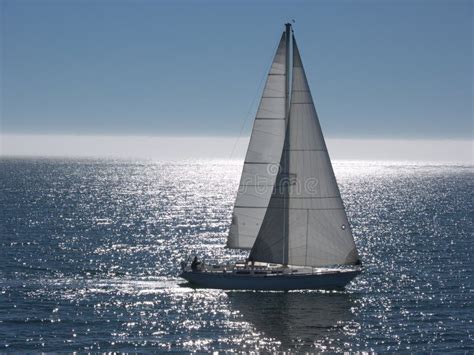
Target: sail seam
[
  {"x": 266, "y": 110},
  {"x": 255, "y": 185},
  {"x": 265, "y": 132},
  {"x": 304, "y": 197},
  {"x": 250, "y": 206},
  {"x": 306, "y": 150}
]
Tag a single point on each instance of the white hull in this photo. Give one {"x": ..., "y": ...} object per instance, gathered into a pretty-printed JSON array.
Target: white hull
[{"x": 329, "y": 279}]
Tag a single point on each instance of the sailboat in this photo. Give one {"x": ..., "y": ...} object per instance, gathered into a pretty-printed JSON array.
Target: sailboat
[{"x": 288, "y": 210}]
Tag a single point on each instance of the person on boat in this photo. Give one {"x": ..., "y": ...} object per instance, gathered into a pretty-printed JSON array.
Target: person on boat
[
  {"x": 195, "y": 264},
  {"x": 250, "y": 261}
]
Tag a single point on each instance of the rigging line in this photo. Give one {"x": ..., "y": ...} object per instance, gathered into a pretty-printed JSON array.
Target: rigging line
[{"x": 259, "y": 89}]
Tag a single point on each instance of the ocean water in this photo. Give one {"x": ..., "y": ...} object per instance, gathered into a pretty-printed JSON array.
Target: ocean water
[{"x": 90, "y": 252}]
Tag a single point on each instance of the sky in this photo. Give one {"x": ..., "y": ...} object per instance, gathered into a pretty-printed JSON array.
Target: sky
[{"x": 393, "y": 70}]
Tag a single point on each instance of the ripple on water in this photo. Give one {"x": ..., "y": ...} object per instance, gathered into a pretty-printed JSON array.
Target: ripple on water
[{"x": 90, "y": 251}]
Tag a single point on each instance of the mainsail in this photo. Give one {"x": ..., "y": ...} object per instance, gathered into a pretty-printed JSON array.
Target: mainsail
[
  {"x": 305, "y": 222},
  {"x": 263, "y": 156}
]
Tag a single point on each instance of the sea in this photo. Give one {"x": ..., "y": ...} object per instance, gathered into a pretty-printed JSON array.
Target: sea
[{"x": 90, "y": 253}]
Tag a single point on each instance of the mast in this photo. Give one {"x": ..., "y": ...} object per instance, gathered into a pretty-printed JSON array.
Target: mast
[
  {"x": 288, "y": 66},
  {"x": 286, "y": 160}
]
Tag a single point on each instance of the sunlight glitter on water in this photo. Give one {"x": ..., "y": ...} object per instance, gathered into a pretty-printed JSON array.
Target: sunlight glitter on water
[{"x": 91, "y": 252}]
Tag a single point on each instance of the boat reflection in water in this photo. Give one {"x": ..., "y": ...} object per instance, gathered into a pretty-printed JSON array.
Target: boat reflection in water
[{"x": 298, "y": 320}]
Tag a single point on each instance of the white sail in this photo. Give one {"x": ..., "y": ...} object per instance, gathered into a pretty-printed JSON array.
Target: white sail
[
  {"x": 306, "y": 223},
  {"x": 319, "y": 232},
  {"x": 263, "y": 157}
]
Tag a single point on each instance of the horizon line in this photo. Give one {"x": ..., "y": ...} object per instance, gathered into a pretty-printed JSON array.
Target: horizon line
[
  {"x": 218, "y": 147},
  {"x": 227, "y": 136}
]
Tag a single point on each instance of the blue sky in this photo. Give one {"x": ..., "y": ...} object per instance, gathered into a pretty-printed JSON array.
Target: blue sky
[{"x": 377, "y": 69}]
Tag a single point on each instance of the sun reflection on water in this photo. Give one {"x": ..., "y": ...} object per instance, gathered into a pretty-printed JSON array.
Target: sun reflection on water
[{"x": 91, "y": 253}]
